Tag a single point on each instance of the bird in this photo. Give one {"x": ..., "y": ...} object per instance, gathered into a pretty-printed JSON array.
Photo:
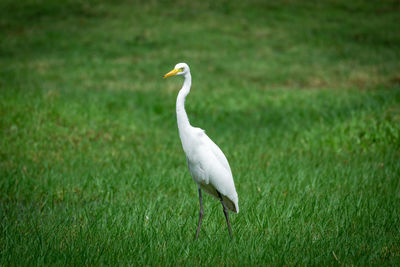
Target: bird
[{"x": 207, "y": 163}]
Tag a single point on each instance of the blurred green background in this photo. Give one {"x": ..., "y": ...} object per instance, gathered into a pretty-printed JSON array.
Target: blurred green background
[{"x": 302, "y": 96}]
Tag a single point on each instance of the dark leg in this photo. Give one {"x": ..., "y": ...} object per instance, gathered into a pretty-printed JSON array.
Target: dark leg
[
  {"x": 226, "y": 214},
  {"x": 200, "y": 214}
]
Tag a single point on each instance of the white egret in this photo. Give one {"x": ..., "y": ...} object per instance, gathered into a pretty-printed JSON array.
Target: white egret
[{"x": 207, "y": 163}]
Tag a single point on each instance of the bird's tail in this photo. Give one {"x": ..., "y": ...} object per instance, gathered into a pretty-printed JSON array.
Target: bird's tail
[
  {"x": 231, "y": 205},
  {"x": 231, "y": 202}
]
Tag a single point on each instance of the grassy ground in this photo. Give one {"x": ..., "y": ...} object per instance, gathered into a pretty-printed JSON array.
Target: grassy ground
[{"x": 302, "y": 96}]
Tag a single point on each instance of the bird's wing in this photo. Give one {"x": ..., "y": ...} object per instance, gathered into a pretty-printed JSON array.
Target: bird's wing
[
  {"x": 220, "y": 179},
  {"x": 216, "y": 168},
  {"x": 219, "y": 155}
]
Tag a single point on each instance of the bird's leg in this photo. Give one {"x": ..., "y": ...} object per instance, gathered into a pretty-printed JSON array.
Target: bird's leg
[
  {"x": 200, "y": 214},
  {"x": 226, "y": 214}
]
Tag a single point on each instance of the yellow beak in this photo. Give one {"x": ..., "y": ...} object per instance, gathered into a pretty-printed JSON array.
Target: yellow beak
[{"x": 171, "y": 73}]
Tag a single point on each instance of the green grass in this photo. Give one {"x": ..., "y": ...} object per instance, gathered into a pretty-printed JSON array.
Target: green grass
[{"x": 302, "y": 96}]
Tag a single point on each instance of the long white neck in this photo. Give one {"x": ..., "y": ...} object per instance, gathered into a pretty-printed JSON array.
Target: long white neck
[{"x": 182, "y": 118}]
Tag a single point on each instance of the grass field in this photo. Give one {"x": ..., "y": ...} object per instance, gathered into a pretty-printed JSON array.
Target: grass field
[{"x": 302, "y": 96}]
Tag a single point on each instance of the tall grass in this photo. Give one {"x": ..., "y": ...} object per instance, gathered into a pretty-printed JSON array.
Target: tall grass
[{"x": 302, "y": 96}]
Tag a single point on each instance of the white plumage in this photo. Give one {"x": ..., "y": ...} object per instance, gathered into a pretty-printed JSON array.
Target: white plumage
[
  {"x": 209, "y": 167},
  {"x": 207, "y": 163}
]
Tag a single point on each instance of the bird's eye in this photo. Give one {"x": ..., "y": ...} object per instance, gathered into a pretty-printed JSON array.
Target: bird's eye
[{"x": 180, "y": 69}]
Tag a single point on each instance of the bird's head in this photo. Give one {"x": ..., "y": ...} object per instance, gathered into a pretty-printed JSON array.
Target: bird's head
[{"x": 180, "y": 69}]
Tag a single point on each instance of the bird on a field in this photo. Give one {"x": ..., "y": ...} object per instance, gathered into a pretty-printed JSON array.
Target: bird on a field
[{"x": 207, "y": 163}]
